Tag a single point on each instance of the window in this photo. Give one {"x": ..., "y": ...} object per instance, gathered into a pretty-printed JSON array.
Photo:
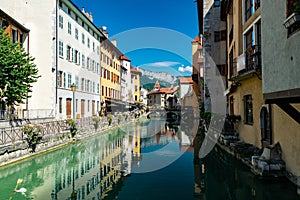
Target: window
[
  {"x": 15, "y": 34},
  {"x": 88, "y": 42},
  {"x": 249, "y": 9},
  {"x": 135, "y": 97},
  {"x": 135, "y": 88},
  {"x": 248, "y": 109},
  {"x": 88, "y": 106},
  {"x": 217, "y": 3},
  {"x": 68, "y": 53},
  {"x": 76, "y": 33},
  {"x": 60, "y": 105},
  {"x": 77, "y": 81},
  {"x": 61, "y": 22},
  {"x": 249, "y": 44},
  {"x": 69, "y": 28},
  {"x": 65, "y": 82},
  {"x": 69, "y": 80},
  {"x": 98, "y": 68},
  {"x": 98, "y": 88},
  {"x": 83, "y": 40},
  {"x": 98, "y": 50},
  {"x": 82, "y": 84},
  {"x": 93, "y": 46},
  {"x": 88, "y": 63},
  {"x": 60, "y": 78},
  {"x": 76, "y": 57},
  {"x": 220, "y": 35},
  {"x": 83, "y": 61},
  {"x": 61, "y": 49}
]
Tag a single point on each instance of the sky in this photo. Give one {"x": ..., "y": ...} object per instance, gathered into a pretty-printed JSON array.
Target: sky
[{"x": 155, "y": 35}]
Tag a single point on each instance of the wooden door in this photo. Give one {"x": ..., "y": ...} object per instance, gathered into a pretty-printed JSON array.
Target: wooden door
[
  {"x": 68, "y": 107},
  {"x": 82, "y": 107}
]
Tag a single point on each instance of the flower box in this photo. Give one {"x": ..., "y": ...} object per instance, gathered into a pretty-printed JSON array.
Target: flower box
[{"x": 293, "y": 18}]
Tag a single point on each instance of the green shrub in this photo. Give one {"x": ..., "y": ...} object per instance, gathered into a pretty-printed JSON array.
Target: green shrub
[{"x": 73, "y": 127}]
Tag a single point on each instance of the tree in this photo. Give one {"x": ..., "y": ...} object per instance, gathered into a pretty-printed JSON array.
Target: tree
[{"x": 18, "y": 70}]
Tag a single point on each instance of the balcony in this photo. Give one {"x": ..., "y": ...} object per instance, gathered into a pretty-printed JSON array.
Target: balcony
[{"x": 253, "y": 58}]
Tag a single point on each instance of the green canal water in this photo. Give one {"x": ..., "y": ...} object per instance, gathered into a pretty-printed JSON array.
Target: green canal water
[{"x": 141, "y": 161}]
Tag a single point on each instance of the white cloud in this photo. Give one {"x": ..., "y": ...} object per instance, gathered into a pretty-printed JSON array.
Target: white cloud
[
  {"x": 163, "y": 64},
  {"x": 185, "y": 69}
]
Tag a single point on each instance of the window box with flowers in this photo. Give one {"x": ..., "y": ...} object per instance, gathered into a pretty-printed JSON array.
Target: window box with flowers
[{"x": 292, "y": 22}]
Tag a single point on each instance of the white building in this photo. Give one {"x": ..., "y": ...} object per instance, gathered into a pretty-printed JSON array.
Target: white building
[
  {"x": 143, "y": 96},
  {"x": 125, "y": 79},
  {"x": 66, "y": 47}
]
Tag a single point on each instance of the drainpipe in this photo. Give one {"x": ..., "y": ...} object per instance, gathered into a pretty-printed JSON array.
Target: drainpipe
[{"x": 56, "y": 56}]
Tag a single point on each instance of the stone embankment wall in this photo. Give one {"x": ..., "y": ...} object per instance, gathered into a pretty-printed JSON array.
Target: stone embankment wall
[{"x": 54, "y": 134}]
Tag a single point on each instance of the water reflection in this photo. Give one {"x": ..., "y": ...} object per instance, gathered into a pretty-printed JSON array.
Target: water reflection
[{"x": 105, "y": 166}]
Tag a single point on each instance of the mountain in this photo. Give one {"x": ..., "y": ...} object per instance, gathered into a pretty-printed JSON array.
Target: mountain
[{"x": 149, "y": 78}]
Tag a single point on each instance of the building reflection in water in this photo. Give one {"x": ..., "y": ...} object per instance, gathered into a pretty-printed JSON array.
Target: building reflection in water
[
  {"x": 98, "y": 167},
  {"x": 81, "y": 175}
]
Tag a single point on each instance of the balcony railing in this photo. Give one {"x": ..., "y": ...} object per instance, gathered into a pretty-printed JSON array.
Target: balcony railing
[{"x": 253, "y": 58}]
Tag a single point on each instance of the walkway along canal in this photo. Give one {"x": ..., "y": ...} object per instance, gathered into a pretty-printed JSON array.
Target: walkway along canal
[{"x": 147, "y": 159}]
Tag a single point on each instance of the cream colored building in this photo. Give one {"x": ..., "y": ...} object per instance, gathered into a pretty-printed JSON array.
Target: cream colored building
[
  {"x": 110, "y": 75},
  {"x": 136, "y": 84}
]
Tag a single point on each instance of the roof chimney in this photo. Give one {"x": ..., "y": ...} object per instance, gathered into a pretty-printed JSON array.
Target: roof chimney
[
  {"x": 104, "y": 31},
  {"x": 91, "y": 17},
  {"x": 114, "y": 42}
]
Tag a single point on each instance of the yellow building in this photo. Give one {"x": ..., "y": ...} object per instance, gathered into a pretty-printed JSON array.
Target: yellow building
[
  {"x": 136, "y": 84},
  {"x": 244, "y": 93},
  {"x": 110, "y": 76}
]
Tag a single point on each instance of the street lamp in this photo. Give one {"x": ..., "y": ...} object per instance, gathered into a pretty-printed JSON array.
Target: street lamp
[{"x": 73, "y": 89}]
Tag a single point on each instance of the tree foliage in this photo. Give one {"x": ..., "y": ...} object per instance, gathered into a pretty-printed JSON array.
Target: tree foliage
[{"x": 18, "y": 70}]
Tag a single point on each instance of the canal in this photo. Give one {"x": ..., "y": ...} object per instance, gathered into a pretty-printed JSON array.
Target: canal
[{"x": 144, "y": 160}]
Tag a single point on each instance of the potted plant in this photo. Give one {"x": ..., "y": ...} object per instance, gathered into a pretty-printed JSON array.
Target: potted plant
[
  {"x": 73, "y": 128},
  {"x": 32, "y": 132},
  {"x": 119, "y": 118},
  {"x": 109, "y": 118},
  {"x": 292, "y": 13},
  {"x": 96, "y": 122}
]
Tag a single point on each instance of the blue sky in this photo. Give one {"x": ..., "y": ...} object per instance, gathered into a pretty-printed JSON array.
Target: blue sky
[{"x": 129, "y": 20}]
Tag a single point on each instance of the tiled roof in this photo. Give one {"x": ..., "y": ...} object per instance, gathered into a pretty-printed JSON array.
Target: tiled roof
[
  {"x": 134, "y": 70},
  {"x": 123, "y": 57},
  {"x": 185, "y": 80}
]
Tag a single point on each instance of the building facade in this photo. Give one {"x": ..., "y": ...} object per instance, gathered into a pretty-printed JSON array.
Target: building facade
[
  {"x": 110, "y": 75},
  {"x": 136, "y": 84},
  {"x": 244, "y": 92},
  {"x": 281, "y": 86},
  {"x": 78, "y": 63},
  {"x": 34, "y": 15},
  {"x": 198, "y": 68},
  {"x": 18, "y": 33},
  {"x": 70, "y": 55},
  {"x": 126, "y": 94}
]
